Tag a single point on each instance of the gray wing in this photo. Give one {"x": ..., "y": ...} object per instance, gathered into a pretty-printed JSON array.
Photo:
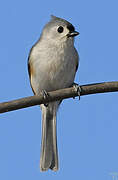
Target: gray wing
[
  {"x": 30, "y": 69},
  {"x": 76, "y": 59}
]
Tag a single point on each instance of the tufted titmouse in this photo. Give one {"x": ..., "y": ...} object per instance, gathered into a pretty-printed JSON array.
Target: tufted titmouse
[{"x": 52, "y": 64}]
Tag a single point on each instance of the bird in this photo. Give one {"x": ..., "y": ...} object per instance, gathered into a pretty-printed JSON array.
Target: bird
[{"x": 52, "y": 64}]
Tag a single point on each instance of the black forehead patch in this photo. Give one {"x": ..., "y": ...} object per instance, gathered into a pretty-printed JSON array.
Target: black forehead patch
[{"x": 70, "y": 27}]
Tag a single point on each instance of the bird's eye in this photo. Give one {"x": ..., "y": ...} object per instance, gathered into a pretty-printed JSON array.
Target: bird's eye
[{"x": 60, "y": 29}]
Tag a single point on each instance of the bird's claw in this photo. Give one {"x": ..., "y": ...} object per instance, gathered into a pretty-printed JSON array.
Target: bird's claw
[
  {"x": 77, "y": 89},
  {"x": 45, "y": 96}
]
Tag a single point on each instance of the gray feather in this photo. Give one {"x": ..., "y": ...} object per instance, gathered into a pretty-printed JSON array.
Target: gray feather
[{"x": 49, "y": 154}]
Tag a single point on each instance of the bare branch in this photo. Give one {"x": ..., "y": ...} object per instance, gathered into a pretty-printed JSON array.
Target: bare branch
[{"x": 58, "y": 95}]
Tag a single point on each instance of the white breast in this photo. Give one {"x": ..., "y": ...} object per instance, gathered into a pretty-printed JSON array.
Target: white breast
[{"x": 54, "y": 68}]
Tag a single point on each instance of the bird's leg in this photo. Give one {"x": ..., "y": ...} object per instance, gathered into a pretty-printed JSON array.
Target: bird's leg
[
  {"x": 45, "y": 96},
  {"x": 77, "y": 88}
]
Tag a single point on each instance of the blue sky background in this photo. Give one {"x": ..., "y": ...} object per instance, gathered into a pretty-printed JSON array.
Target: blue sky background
[{"x": 87, "y": 129}]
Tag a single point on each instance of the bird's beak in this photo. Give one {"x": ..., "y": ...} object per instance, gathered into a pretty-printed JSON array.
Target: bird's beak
[{"x": 72, "y": 34}]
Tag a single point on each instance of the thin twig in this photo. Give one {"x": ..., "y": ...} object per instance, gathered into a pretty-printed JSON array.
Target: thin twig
[{"x": 58, "y": 95}]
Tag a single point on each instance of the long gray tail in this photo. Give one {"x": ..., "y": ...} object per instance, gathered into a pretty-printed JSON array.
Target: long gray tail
[{"x": 49, "y": 154}]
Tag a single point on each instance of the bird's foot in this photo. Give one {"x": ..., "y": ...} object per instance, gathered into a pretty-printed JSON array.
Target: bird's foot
[
  {"x": 45, "y": 96},
  {"x": 77, "y": 89}
]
